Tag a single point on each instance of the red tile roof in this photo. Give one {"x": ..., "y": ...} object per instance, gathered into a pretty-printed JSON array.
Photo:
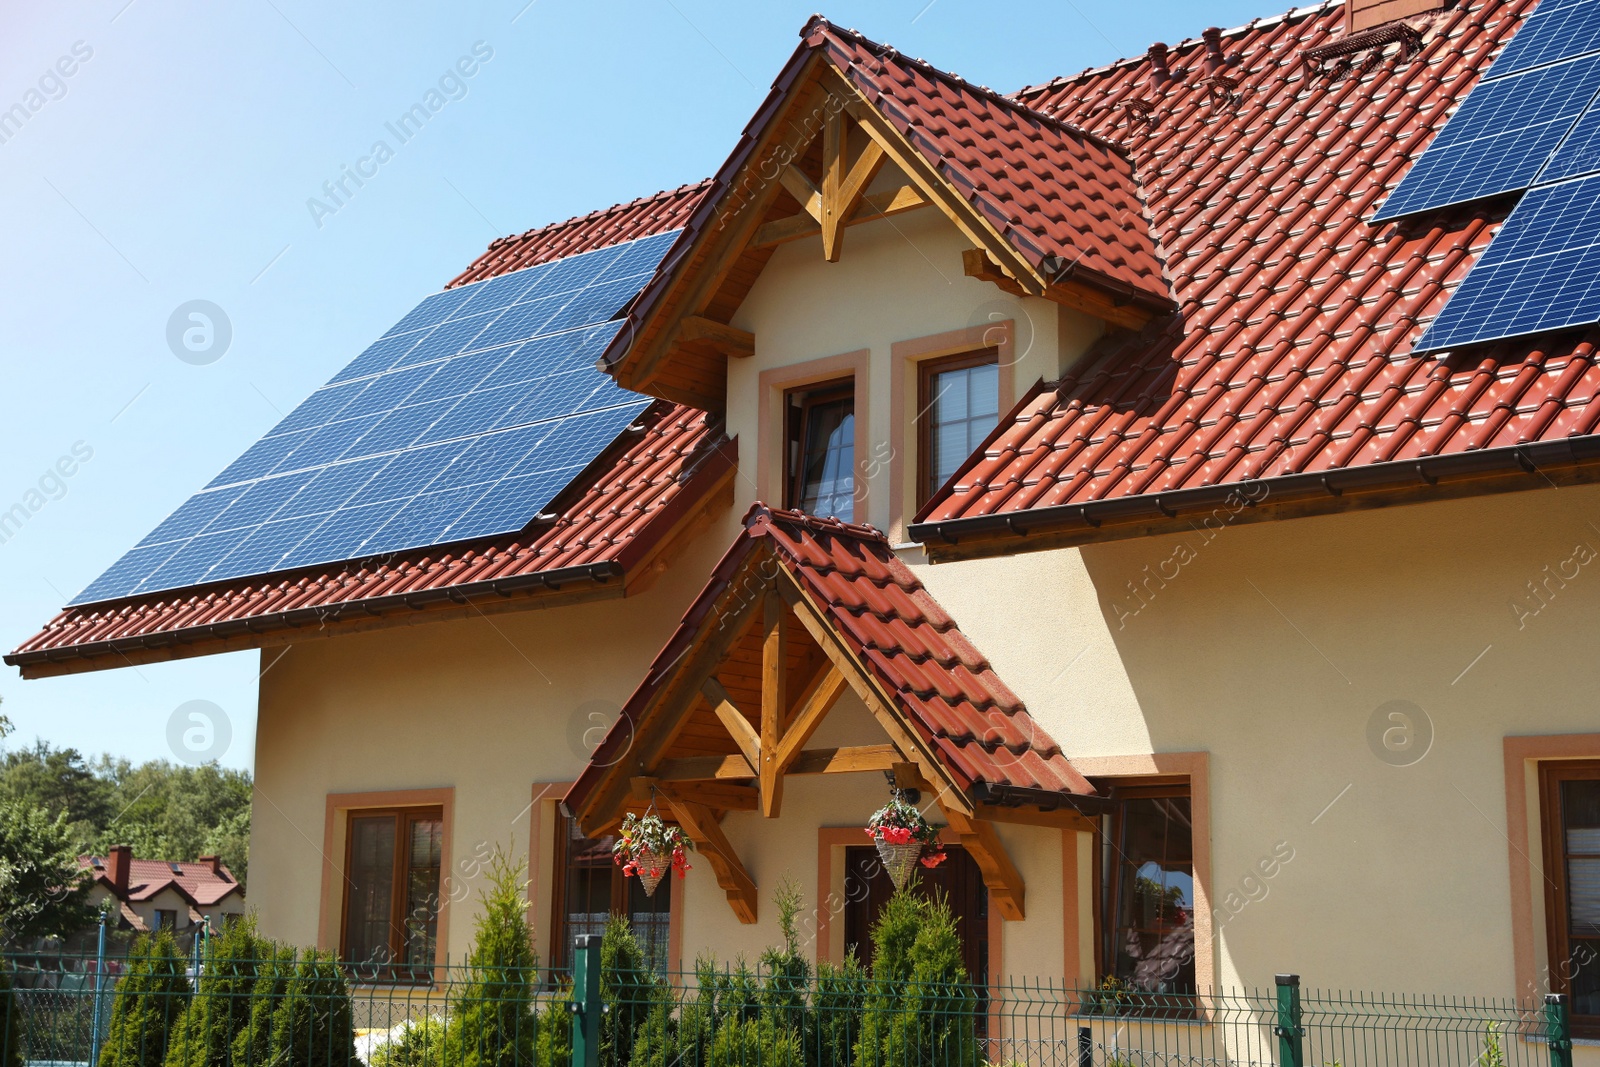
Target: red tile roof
[
  {"x": 1058, "y": 194},
  {"x": 635, "y": 495},
  {"x": 196, "y": 882},
  {"x": 648, "y": 215},
  {"x": 1291, "y": 350},
  {"x": 943, "y": 687}
]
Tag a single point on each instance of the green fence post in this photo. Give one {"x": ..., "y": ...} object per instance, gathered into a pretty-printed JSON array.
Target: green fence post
[
  {"x": 586, "y": 1003},
  {"x": 1558, "y": 1030},
  {"x": 1291, "y": 1035}
]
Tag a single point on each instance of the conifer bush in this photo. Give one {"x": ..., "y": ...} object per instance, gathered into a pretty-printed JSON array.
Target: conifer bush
[
  {"x": 220, "y": 1008},
  {"x": 149, "y": 1001},
  {"x": 493, "y": 1021},
  {"x": 253, "y": 1044},
  {"x": 420, "y": 1043},
  {"x": 919, "y": 1008},
  {"x": 629, "y": 988},
  {"x": 313, "y": 1023}
]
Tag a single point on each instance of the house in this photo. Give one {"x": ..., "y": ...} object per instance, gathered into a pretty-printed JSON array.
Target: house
[
  {"x": 1069, "y": 454},
  {"x": 150, "y": 895}
]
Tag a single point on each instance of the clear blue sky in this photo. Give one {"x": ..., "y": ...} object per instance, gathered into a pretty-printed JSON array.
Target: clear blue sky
[{"x": 175, "y": 163}]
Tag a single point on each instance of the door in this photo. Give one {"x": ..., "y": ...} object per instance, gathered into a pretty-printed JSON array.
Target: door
[{"x": 957, "y": 881}]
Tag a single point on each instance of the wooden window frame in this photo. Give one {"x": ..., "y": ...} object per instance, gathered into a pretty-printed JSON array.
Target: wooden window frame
[
  {"x": 396, "y": 973},
  {"x": 926, "y": 369},
  {"x": 1106, "y": 892},
  {"x": 797, "y": 420},
  {"x": 159, "y": 912},
  {"x": 1552, "y": 774}
]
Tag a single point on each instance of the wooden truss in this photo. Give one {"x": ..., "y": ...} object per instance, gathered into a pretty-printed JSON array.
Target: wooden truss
[{"x": 796, "y": 669}]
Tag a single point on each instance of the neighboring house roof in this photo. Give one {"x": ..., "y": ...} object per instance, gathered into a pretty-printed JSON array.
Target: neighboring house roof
[
  {"x": 197, "y": 883},
  {"x": 1066, "y": 199},
  {"x": 939, "y": 686},
  {"x": 1263, "y": 155},
  {"x": 607, "y": 523}
]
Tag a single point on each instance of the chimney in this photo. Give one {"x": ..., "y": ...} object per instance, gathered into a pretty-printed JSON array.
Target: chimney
[
  {"x": 1365, "y": 14},
  {"x": 214, "y": 862},
  {"x": 118, "y": 860}
]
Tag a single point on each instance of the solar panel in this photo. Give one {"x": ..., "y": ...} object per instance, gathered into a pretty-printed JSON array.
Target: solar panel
[
  {"x": 1557, "y": 30},
  {"x": 1499, "y": 139},
  {"x": 465, "y": 419},
  {"x": 1541, "y": 271}
]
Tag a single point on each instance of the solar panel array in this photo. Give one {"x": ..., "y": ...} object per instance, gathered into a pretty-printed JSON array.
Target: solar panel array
[
  {"x": 464, "y": 420},
  {"x": 1502, "y": 136}
]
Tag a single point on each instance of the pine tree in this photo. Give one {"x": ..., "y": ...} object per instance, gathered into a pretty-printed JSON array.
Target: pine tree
[
  {"x": 313, "y": 1025},
  {"x": 10, "y": 1021},
  {"x": 493, "y": 1021},
  {"x": 220, "y": 1010},
  {"x": 254, "y": 1043},
  {"x": 148, "y": 1005}
]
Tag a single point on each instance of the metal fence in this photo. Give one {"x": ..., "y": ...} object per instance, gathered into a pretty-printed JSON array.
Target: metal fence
[{"x": 314, "y": 1013}]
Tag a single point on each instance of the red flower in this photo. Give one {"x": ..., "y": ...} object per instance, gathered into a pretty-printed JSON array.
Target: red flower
[
  {"x": 933, "y": 859},
  {"x": 630, "y": 869},
  {"x": 872, "y": 832},
  {"x": 897, "y": 835}
]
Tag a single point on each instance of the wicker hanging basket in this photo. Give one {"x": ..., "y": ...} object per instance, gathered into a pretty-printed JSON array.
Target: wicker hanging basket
[
  {"x": 652, "y": 867},
  {"x": 899, "y": 860}
]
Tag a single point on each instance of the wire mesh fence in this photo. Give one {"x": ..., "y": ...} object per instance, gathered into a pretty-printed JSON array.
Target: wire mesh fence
[{"x": 125, "y": 1011}]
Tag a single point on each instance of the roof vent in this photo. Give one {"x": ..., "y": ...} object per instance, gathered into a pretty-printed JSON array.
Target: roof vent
[
  {"x": 1365, "y": 14},
  {"x": 1159, "y": 71}
]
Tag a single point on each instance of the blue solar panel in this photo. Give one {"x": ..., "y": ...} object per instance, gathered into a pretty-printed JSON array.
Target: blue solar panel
[
  {"x": 1557, "y": 30},
  {"x": 1499, "y": 139},
  {"x": 464, "y": 420},
  {"x": 1541, "y": 272}
]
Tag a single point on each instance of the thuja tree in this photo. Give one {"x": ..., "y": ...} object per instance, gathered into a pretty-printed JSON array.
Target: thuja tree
[
  {"x": 919, "y": 1008},
  {"x": 312, "y": 1025},
  {"x": 253, "y": 1044},
  {"x": 492, "y": 1021},
  {"x": 221, "y": 1007},
  {"x": 10, "y": 1021},
  {"x": 150, "y": 1000},
  {"x": 630, "y": 990}
]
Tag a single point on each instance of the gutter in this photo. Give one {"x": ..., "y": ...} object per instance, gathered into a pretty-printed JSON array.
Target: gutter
[
  {"x": 1401, "y": 474},
  {"x": 1016, "y": 796},
  {"x": 322, "y": 615}
]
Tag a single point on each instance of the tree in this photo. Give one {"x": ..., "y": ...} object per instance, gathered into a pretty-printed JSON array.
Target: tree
[
  {"x": 149, "y": 1003},
  {"x": 493, "y": 1022},
  {"x": 254, "y": 1044},
  {"x": 62, "y": 783},
  {"x": 220, "y": 1010},
  {"x": 43, "y": 891},
  {"x": 314, "y": 1024}
]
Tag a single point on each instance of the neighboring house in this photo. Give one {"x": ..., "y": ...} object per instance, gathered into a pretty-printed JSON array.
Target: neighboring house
[
  {"x": 151, "y": 895},
  {"x": 1122, "y": 373}
]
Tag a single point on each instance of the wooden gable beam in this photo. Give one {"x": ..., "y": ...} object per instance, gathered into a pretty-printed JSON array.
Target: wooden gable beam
[
  {"x": 729, "y": 340},
  {"x": 977, "y": 263},
  {"x": 849, "y": 759},
  {"x": 738, "y": 727},
  {"x": 700, "y": 824},
  {"x": 843, "y": 188},
  {"x": 774, "y": 703},
  {"x": 803, "y": 189},
  {"x": 866, "y": 688},
  {"x": 868, "y": 209},
  {"x": 810, "y": 716}
]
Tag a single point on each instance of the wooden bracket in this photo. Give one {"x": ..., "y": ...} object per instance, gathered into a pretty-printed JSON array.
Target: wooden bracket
[
  {"x": 729, "y": 340},
  {"x": 701, "y": 825},
  {"x": 1000, "y": 875},
  {"x": 739, "y": 728}
]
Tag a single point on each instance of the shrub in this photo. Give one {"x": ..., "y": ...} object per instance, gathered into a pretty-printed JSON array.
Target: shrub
[
  {"x": 220, "y": 1010},
  {"x": 420, "y": 1043},
  {"x": 253, "y": 1044},
  {"x": 841, "y": 994},
  {"x": 554, "y": 1048},
  {"x": 788, "y": 972},
  {"x": 312, "y": 1025},
  {"x": 918, "y": 1008},
  {"x": 628, "y": 988},
  {"x": 755, "y": 1042},
  {"x": 149, "y": 1001},
  {"x": 493, "y": 1021},
  {"x": 10, "y": 1021}
]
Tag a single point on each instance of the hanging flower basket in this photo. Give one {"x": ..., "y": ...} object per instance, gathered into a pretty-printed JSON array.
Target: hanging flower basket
[
  {"x": 903, "y": 837},
  {"x": 648, "y": 847}
]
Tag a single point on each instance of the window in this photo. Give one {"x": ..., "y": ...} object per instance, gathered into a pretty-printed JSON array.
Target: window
[
  {"x": 821, "y": 451},
  {"x": 1147, "y": 890},
  {"x": 391, "y": 913},
  {"x": 1570, "y": 813},
  {"x": 958, "y": 404},
  {"x": 166, "y": 919},
  {"x": 590, "y": 888}
]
